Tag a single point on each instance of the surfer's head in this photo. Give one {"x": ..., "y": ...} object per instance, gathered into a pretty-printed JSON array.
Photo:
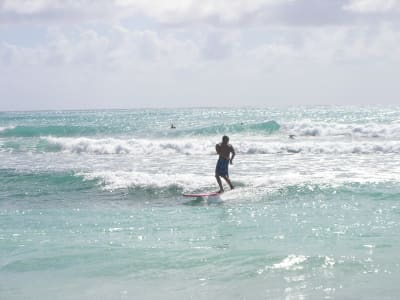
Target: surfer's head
[{"x": 225, "y": 139}]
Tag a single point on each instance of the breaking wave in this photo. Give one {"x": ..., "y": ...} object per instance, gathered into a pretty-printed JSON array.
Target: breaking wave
[
  {"x": 350, "y": 130},
  {"x": 121, "y": 146},
  {"x": 113, "y": 180},
  {"x": 323, "y": 148},
  {"x": 194, "y": 146},
  {"x": 267, "y": 127},
  {"x": 36, "y": 184},
  {"x": 53, "y": 130}
]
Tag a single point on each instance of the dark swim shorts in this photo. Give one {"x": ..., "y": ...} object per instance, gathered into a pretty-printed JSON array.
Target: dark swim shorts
[{"x": 222, "y": 167}]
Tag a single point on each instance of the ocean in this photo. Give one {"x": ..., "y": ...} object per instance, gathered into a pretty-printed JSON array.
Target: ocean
[{"x": 91, "y": 204}]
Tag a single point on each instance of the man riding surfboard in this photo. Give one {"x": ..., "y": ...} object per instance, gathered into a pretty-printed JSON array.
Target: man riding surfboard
[{"x": 224, "y": 150}]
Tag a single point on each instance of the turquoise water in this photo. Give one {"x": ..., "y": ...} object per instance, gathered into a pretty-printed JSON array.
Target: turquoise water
[{"x": 91, "y": 205}]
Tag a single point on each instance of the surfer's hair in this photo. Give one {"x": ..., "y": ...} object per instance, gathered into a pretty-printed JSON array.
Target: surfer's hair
[{"x": 225, "y": 138}]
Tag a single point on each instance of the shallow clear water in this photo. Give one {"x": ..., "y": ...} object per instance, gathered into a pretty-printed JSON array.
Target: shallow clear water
[{"x": 91, "y": 205}]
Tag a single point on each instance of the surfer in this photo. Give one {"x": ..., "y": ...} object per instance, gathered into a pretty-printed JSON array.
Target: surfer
[{"x": 224, "y": 150}]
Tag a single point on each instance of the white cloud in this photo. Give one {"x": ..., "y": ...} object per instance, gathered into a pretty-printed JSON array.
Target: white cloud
[
  {"x": 123, "y": 48},
  {"x": 26, "y": 6},
  {"x": 219, "y": 45},
  {"x": 191, "y": 12},
  {"x": 119, "y": 48},
  {"x": 328, "y": 46},
  {"x": 372, "y": 6},
  {"x": 45, "y": 12},
  {"x": 175, "y": 11},
  {"x": 152, "y": 50},
  {"x": 171, "y": 11}
]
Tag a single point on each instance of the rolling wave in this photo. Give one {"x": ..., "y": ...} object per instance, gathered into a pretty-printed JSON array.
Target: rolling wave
[
  {"x": 23, "y": 184},
  {"x": 159, "y": 183},
  {"x": 52, "y": 130},
  {"x": 353, "y": 190},
  {"x": 121, "y": 146},
  {"x": 373, "y": 130},
  {"x": 206, "y": 146},
  {"x": 196, "y": 146},
  {"x": 5, "y": 128},
  {"x": 267, "y": 127},
  {"x": 91, "y": 130},
  {"x": 323, "y": 148},
  {"x": 28, "y": 184},
  {"x": 18, "y": 184},
  {"x": 153, "y": 183}
]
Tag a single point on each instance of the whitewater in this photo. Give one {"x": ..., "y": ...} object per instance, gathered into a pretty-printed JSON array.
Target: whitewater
[{"x": 91, "y": 204}]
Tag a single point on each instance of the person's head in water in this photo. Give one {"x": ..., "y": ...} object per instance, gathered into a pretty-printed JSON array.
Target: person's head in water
[{"x": 225, "y": 139}]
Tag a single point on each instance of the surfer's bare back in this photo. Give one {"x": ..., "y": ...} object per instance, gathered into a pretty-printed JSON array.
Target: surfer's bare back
[{"x": 224, "y": 150}]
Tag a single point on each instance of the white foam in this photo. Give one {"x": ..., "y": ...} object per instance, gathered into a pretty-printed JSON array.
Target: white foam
[
  {"x": 2, "y": 129},
  {"x": 112, "y": 180},
  {"x": 269, "y": 174},
  {"x": 319, "y": 147},
  {"x": 291, "y": 262},
  {"x": 371, "y": 130},
  {"x": 128, "y": 146},
  {"x": 198, "y": 147}
]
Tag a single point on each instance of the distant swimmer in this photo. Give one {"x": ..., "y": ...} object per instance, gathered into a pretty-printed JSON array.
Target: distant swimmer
[
  {"x": 224, "y": 150},
  {"x": 292, "y": 136},
  {"x": 173, "y": 126}
]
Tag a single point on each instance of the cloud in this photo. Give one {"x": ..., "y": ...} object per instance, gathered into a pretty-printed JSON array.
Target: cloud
[
  {"x": 314, "y": 13},
  {"x": 192, "y": 11},
  {"x": 357, "y": 46},
  {"x": 372, "y": 6},
  {"x": 86, "y": 48},
  {"x": 144, "y": 50},
  {"x": 183, "y": 13},
  {"x": 116, "y": 48},
  {"x": 45, "y": 12},
  {"x": 219, "y": 45},
  {"x": 152, "y": 50},
  {"x": 171, "y": 12}
]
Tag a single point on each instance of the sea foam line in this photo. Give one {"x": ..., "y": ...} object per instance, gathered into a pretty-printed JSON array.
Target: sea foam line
[
  {"x": 291, "y": 262},
  {"x": 2, "y": 129},
  {"x": 112, "y": 180},
  {"x": 206, "y": 146},
  {"x": 318, "y": 147},
  {"x": 371, "y": 130},
  {"x": 128, "y": 146}
]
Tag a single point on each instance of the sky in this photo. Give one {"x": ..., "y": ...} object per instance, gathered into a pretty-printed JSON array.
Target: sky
[{"x": 97, "y": 54}]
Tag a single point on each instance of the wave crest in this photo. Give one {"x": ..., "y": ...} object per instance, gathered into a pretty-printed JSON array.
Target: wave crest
[
  {"x": 112, "y": 180},
  {"x": 51, "y": 130},
  {"x": 121, "y": 146},
  {"x": 268, "y": 127},
  {"x": 206, "y": 146},
  {"x": 351, "y": 130},
  {"x": 322, "y": 148}
]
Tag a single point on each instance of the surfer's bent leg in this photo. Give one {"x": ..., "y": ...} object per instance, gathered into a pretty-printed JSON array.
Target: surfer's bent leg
[
  {"x": 221, "y": 170},
  {"x": 228, "y": 181},
  {"x": 221, "y": 189}
]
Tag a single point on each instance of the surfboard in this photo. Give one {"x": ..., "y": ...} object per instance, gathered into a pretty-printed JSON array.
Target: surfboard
[{"x": 201, "y": 195}]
